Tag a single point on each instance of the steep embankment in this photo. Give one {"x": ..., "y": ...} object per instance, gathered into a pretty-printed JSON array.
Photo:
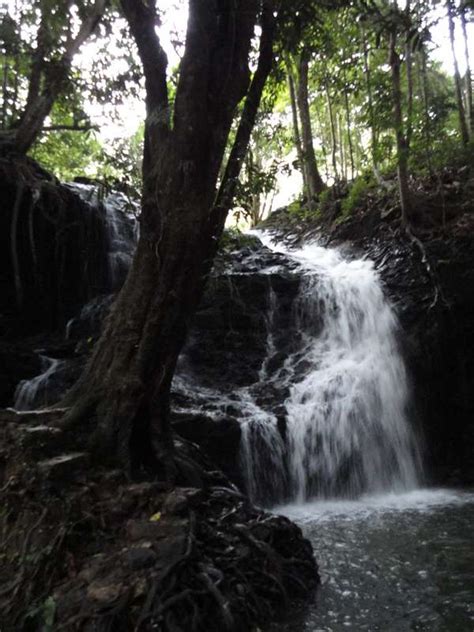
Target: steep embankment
[{"x": 428, "y": 273}]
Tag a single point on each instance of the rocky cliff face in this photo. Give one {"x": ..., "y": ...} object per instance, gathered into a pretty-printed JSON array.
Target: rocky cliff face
[
  {"x": 243, "y": 328},
  {"x": 436, "y": 310}
]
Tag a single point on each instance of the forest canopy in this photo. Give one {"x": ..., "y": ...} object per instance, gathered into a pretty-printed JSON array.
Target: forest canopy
[{"x": 357, "y": 87}]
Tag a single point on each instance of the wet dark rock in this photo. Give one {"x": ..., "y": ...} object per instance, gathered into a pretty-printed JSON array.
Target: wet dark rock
[
  {"x": 228, "y": 341},
  {"x": 139, "y": 557},
  {"x": 228, "y": 346},
  {"x": 219, "y": 438},
  {"x": 179, "y": 501},
  {"x": 57, "y": 259},
  {"x": 16, "y": 364}
]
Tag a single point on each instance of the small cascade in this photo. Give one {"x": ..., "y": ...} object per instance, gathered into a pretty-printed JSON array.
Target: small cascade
[
  {"x": 121, "y": 225},
  {"x": 122, "y": 228},
  {"x": 262, "y": 448},
  {"x": 32, "y": 394}
]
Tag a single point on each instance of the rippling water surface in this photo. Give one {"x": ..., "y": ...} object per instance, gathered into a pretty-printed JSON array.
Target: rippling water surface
[{"x": 390, "y": 563}]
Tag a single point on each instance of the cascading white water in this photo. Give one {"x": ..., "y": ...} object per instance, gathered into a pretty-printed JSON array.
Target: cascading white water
[
  {"x": 29, "y": 393},
  {"x": 121, "y": 225},
  {"x": 329, "y": 411},
  {"x": 122, "y": 228},
  {"x": 348, "y": 430}
]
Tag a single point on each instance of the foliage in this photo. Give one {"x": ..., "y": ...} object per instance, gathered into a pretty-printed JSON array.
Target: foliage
[
  {"x": 349, "y": 82},
  {"x": 121, "y": 163},
  {"x": 233, "y": 239},
  {"x": 358, "y": 190},
  {"x": 66, "y": 153}
]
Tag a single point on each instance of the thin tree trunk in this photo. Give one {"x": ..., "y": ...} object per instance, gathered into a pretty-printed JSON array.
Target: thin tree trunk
[
  {"x": 402, "y": 149},
  {"x": 373, "y": 131},
  {"x": 457, "y": 76},
  {"x": 468, "y": 75},
  {"x": 322, "y": 134},
  {"x": 314, "y": 180},
  {"x": 342, "y": 153},
  {"x": 425, "y": 100},
  {"x": 349, "y": 130},
  {"x": 409, "y": 115},
  {"x": 5, "y": 93},
  {"x": 409, "y": 73},
  {"x": 16, "y": 86},
  {"x": 333, "y": 132},
  {"x": 296, "y": 126}
]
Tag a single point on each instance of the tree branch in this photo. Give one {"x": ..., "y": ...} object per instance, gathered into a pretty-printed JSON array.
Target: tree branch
[
  {"x": 87, "y": 28},
  {"x": 142, "y": 19},
  {"x": 69, "y": 128},
  {"x": 229, "y": 182}
]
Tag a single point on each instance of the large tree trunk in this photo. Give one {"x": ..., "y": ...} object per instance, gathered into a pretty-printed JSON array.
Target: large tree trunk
[
  {"x": 127, "y": 382},
  {"x": 314, "y": 181}
]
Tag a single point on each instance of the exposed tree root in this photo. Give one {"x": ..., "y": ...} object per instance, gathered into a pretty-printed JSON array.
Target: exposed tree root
[
  {"x": 85, "y": 549},
  {"x": 430, "y": 270}
]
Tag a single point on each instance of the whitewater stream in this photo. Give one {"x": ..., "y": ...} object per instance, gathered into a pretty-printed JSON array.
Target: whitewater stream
[{"x": 392, "y": 555}]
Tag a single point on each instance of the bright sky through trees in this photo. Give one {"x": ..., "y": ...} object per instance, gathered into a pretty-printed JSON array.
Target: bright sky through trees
[{"x": 172, "y": 33}]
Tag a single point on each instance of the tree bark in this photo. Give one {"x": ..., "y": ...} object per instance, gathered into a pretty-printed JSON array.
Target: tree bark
[
  {"x": 424, "y": 88},
  {"x": 314, "y": 181},
  {"x": 402, "y": 148},
  {"x": 333, "y": 132},
  {"x": 409, "y": 75},
  {"x": 127, "y": 382},
  {"x": 296, "y": 126},
  {"x": 349, "y": 132},
  {"x": 468, "y": 75},
  {"x": 457, "y": 76},
  {"x": 370, "y": 101}
]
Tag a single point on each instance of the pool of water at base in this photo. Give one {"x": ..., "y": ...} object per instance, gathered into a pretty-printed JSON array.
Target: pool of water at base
[{"x": 391, "y": 563}]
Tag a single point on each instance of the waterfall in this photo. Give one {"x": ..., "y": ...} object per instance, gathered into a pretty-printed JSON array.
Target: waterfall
[
  {"x": 32, "y": 394},
  {"x": 326, "y": 409},
  {"x": 348, "y": 430},
  {"x": 121, "y": 225},
  {"x": 122, "y": 229}
]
